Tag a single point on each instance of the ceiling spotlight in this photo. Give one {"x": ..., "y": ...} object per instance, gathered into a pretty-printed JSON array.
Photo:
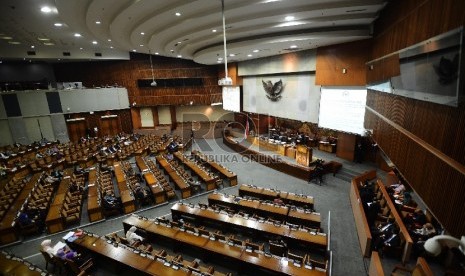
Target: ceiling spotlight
[
  {"x": 58, "y": 24},
  {"x": 14, "y": 42},
  {"x": 178, "y": 14},
  {"x": 289, "y": 18},
  {"x": 98, "y": 22},
  {"x": 109, "y": 40},
  {"x": 81, "y": 48},
  {"x": 255, "y": 51},
  {"x": 77, "y": 35},
  {"x": 134, "y": 50},
  {"x": 111, "y": 47},
  {"x": 293, "y": 46},
  {"x": 249, "y": 55},
  {"x": 94, "y": 42},
  {"x": 46, "y": 9},
  {"x": 214, "y": 30},
  {"x": 142, "y": 33},
  {"x": 232, "y": 55},
  {"x": 32, "y": 46},
  {"x": 156, "y": 53},
  {"x": 6, "y": 37},
  {"x": 179, "y": 56}
]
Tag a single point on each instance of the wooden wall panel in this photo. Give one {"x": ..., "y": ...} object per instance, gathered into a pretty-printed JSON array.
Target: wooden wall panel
[
  {"x": 424, "y": 140},
  {"x": 136, "y": 118},
  {"x": 126, "y": 73},
  {"x": 331, "y": 60},
  {"x": 346, "y": 146}
]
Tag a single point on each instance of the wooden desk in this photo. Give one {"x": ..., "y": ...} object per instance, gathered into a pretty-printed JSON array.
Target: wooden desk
[
  {"x": 254, "y": 227},
  {"x": 141, "y": 164},
  {"x": 179, "y": 182},
  {"x": 326, "y": 146},
  {"x": 125, "y": 257},
  {"x": 128, "y": 201},
  {"x": 250, "y": 206},
  {"x": 304, "y": 218},
  {"x": 158, "y": 193},
  {"x": 15, "y": 267},
  {"x": 54, "y": 221},
  {"x": 269, "y": 194},
  {"x": 218, "y": 168},
  {"x": 213, "y": 248},
  {"x": 205, "y": 177}
]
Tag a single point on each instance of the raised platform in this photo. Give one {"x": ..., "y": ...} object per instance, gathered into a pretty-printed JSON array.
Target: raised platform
[{"x": 276, "y": 163}]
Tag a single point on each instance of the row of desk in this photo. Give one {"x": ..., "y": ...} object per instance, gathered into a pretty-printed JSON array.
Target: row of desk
[
  {"x": 157, "y": 190},
  {"x": 248, "y": 225},
  {"x": 237, "y": 256},
  {"x": 271, "y": 194},
  {"x": 225, "y": 173},
  {"x": 179, "y": 182},
  {"x": 209, "y": 181},
  {"x": 94, "y": 210},
  {"x": 8, "y": 231},
  {"x": 54, "y": 221},
  {"x": 124, "y": 257},
  {"x": 127, "y": 198},
  {"x": 279, "y": 212}
]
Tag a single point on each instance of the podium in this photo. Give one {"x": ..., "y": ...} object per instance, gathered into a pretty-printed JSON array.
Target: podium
[{"x": 303, "y": 155}]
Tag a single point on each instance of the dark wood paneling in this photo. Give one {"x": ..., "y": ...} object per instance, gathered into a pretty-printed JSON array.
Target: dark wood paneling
[
  {"x": 156, "y": 121},
  {"x": 331, "y": 60},
  {"x": 135, "y": 117},
  {"x": 126, "y": 73},
  {"x": 424, "y": 140}
]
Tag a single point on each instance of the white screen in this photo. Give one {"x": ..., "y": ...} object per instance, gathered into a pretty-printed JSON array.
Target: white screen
[
  {"x": 343, "y": 109},
  {"x": 232, "y": 98}
]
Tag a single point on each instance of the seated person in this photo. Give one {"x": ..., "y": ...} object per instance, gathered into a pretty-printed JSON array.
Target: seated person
[
  {"x": 278, "y": 200},
  {"x": 426, "y": 231},
  {"x": 140, "y": 193},
  {"x": 46, "y": 246},
  {"x": 52, "y": 180},
  {"x": 67, "y": 253},
  {"x": 132, "y": 237},
  {"x": 398, "y": 188},
  {"x": 110, "y": 201},
  {"x": 24, "y": 220},
  {"x": 416, "y": 219}
]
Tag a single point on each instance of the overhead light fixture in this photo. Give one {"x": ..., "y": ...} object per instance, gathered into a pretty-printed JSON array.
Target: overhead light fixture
[
  {"x": 214, "y": 30},
  {"x": 289, "y": 18},
  {"x": 153, "y": 83},
  {"x": 46, "y": 9},
  {"x": 249, "y": 55},
  {"x": 293, "y": 46},
  {"x": 179, "y": 56},
  {"x": 109, "y": 40},
  {"x": 14, "y": 42},
  {"x": 32, "y": 46},
  {"x": 256, "y": 51},
  {"x": 111, "y": 47},
  {"x": 226, "y": 80},
  {"x": 58, "y": 24},
  {"x": 77, "y": 35},
  {"x": 43, "y": 39},
  {"x": 98, "y": 22},
  {"x": 6, "y": 37},
  {"x": 134, "y": 50},
  {"x": 178, "y": 14},
  {"x": 94, "y": 42},
  {"x": 141, "y": 45},
  {"x": 218, "y": 103},
  {"x": 142, "y": 33}
]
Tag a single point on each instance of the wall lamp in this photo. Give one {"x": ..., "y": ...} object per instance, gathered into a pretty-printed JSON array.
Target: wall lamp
[{"x": 433, "y": 246}]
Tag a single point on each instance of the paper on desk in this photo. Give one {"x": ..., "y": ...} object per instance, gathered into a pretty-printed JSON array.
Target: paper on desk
[
  {"x": 67, "y": 236},
  {"x": 58, "y": 246}
]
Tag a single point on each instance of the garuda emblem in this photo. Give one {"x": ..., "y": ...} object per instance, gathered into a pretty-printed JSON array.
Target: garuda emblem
[{"x": 273, "y": 91}]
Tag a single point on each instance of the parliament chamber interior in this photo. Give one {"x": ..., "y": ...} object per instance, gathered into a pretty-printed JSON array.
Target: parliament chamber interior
[{"x": 223, "y": 137}]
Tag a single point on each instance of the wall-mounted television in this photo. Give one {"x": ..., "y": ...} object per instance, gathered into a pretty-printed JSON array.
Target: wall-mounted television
[{"x": 429, "y": 71}]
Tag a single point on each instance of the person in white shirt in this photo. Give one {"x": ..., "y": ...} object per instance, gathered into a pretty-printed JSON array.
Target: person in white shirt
[{"x": 132, "y": 237}]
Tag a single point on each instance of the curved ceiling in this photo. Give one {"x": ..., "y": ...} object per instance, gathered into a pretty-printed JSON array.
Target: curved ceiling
[{"x": 178, "y": 28}]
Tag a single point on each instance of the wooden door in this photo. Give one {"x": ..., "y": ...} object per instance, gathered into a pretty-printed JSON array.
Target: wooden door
[
  {"x": 76, "y": 130},
  {"x": 110, "y": 126}
]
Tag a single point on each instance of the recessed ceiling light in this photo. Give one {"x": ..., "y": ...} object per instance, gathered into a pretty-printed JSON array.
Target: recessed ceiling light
[
  {"x": 232, "y": 55},
  {"x": 46, "y": 9},
  {"x": 134, "y": 50},
  {"x": 256, "y": 51},
  {"x": 142, "y": 33},
  {"x": 59, "y": 59},
  {"x": 156, "y": 53},
  {"x": 94, "y": 42},
  {"x": 1, "y": 61},
  {"x": 58, "y": 24},
  {"x": 214, "y": 30},
  {"x": 32, "y": 46},
  {"x": 179, "y": 56},
  {"x": 178, "y": 14},
  {"x": 98, "y": 22},
  {"x": 109, "y": 40},
  {"x": 249, "y": 55},
  {"x": 289, "y": 18},
  {"x": 220, "y": 58},
  {"x": 14, "y": 42},
  {"x": 6, "y": 37},
  {"x": 81, "y": 48},
  {"x": 77, "y": 35},
  {"x": 49, "y": 43},
  {"x": 141, "y": 45},
  {"x": 43, "y": 39},
  {"x": 218, "y": 61},
  {"x": 111, "y": 47},
  {"x": 293, "y": 46}
]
